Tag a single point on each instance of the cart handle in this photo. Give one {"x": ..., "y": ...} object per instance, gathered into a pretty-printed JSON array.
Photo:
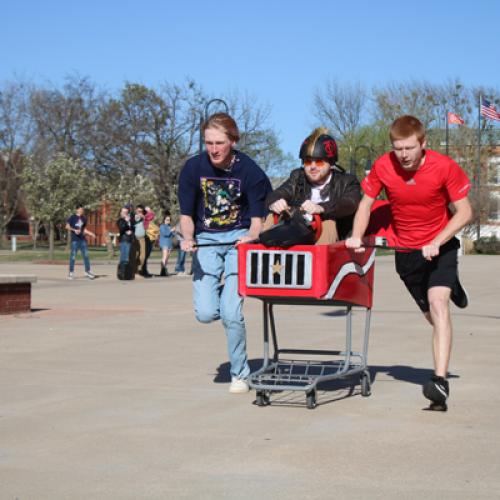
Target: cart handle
[
  {"x": 382, "y": 247},
  {"x": 221, "y": 244},
  {"x": 389, "y": 247}
]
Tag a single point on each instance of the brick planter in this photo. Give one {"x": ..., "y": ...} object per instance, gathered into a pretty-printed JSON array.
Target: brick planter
[{"x": 15, "y": 293}]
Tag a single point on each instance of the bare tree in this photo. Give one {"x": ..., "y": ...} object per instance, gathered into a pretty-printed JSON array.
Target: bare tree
[
  {"x": 417, "y": 98},
  {"x": 153, "y": 132},
  {"x": 15, "y": 139},
  {"x": 258, "y": 139},
  {"x": 150, "y": 133},
  {"x": 65, "y": 119},
  {"x": 341, "y": 107}
]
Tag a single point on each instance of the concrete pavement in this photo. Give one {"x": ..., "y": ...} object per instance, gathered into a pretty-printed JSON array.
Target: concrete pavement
[{"x": 112, "y": 390}]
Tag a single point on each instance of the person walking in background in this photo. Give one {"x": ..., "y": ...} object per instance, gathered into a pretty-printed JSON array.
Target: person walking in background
[
  {"x": 421, "y": 184},
  {"x": 166, "y": 235},
  {"x": 221, "y": 197},
  {"x": 76, "y": 224},
  {"x": 151, "y": 235}
]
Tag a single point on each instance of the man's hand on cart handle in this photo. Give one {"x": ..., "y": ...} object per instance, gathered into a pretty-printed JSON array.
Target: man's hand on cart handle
[
  {"x": 312, "y": 208},
  {"x": 358, "y": 245},
  {"x": 247, "y": 239},
  {"x": 279, "y": 206},
  {"x": 188, "y": 245},
  {"x": 355, "y": 243}
]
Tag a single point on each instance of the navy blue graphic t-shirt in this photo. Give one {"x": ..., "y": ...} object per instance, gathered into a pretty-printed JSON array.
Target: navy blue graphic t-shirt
[
  {"x": 77, "y": 222},
  {"x": 222, "y": 200}
]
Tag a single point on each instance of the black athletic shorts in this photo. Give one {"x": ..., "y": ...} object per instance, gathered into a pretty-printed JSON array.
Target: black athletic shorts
[{"x": 419, "y": 274}]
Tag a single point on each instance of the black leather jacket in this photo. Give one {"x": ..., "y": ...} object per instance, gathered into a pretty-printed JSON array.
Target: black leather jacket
[
  {"x": 123, "y": 227},
  {"x": 344, "y": 197}
]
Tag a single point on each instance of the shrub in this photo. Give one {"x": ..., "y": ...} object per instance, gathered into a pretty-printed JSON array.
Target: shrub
[{"x": 488, "y": 245}]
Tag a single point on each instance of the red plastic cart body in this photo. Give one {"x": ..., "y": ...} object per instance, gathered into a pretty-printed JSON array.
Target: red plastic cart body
[{"x": 321, "y": 272}]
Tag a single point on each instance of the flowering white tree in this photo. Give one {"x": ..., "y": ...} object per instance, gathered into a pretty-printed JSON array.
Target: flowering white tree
[{"x": 53, "y": 190}]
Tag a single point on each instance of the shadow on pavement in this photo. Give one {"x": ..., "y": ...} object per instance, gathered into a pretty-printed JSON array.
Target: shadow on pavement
[{"x": 404, "y": 373}]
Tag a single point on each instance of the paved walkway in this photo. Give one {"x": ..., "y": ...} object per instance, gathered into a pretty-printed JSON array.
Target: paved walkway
[{"x": 111, "y": 390}]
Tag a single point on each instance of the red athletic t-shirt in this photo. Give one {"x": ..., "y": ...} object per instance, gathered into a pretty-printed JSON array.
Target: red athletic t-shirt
[{"x": 419, "y": 199}]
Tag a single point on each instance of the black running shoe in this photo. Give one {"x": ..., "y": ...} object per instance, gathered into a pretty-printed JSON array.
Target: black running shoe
[
  {"x": 437, "y": 391},
  {"x": 459, "y": 296}
]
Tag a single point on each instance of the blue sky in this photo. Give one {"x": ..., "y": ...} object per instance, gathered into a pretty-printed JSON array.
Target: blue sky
[{"x": 277, "y": 51}]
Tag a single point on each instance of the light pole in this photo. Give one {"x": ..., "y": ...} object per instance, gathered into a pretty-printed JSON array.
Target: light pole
[
  {"x": 354, "y": 162},
  {"x": 204, "y": 117}
]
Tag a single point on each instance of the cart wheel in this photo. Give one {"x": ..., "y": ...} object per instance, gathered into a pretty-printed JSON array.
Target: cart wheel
[
  {"x": 365, "y": 384},
  {"x": 311, "y": 399},
  {"x": 261, "y": 398}
]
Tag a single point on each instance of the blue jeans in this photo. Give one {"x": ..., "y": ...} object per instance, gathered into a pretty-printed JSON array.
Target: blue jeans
[
  {"x": 213, "y": 301},
  {"x": 124, "y": 251},
  {"x": 82, "y": 246},
  {"x": 181, "y": 259}
]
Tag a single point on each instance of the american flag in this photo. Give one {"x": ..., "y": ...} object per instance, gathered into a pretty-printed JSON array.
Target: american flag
[
  {"x": 455, "y": 119},
  {"x": 488, "y": 110}
]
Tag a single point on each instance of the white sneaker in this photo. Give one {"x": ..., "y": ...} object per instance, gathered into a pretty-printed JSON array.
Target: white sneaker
[
  {"x": 238, "y": 386},
  {"x": 71, "y": 276},
  {"x": 89, "y": 275}
]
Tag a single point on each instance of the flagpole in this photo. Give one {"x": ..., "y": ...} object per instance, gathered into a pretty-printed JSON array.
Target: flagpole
[
  {"x": 478, "y": 171},
  {"x": 447, "y": 133}
]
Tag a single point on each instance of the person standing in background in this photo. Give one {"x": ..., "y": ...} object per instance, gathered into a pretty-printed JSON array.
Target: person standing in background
[
  {"x": 180, "y": 263},
  {"x": 126, "y": 234},
  {"x": 140, "y": 236},
  {"x": 166, "y": 235},
  {"x": 76, "y": 224}
]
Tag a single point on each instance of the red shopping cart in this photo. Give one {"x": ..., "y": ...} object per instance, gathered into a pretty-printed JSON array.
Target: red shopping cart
[{"x": 326, "y": 275}]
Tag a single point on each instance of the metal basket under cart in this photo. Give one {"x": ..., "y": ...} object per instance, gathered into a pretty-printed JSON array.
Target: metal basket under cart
[{"x": 326, "y": 275}]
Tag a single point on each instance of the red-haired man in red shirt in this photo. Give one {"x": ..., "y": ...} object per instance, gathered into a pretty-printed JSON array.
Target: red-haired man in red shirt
[{"x": 421, "y": 185}]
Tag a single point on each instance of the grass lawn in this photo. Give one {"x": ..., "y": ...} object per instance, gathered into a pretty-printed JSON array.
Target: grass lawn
[{"x": 26, "y": 253}]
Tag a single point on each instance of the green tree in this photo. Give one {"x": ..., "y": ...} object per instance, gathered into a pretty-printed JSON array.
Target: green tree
[{"x": 134, "y": 190}]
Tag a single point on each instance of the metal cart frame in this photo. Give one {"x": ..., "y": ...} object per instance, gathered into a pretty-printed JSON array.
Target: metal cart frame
[
  {"x": 279, "y": 374},
  {"x": 321, "y": 281}
]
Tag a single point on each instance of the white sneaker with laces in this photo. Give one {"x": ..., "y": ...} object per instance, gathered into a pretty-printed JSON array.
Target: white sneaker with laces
[
  {"x": 71, "y": 276},
  {"x": 89, "y": 275},
  {"x": 238, "y": 386}
]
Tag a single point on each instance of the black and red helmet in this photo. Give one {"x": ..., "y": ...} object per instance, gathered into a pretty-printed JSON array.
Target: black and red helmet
[{"x": 320, "y": 145}]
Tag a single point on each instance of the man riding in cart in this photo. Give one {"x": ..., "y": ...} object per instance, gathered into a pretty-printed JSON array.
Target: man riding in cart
[
  {"x": 319, "y": 187},
  {"x": 421, "y": 185}
]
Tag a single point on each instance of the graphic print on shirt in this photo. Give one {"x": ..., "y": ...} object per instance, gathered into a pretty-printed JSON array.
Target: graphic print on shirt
[{"x": 221, "y": 202}]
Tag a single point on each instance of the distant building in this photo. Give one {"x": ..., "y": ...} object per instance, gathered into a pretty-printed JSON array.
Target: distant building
[{"x": 102, "y": 222}]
